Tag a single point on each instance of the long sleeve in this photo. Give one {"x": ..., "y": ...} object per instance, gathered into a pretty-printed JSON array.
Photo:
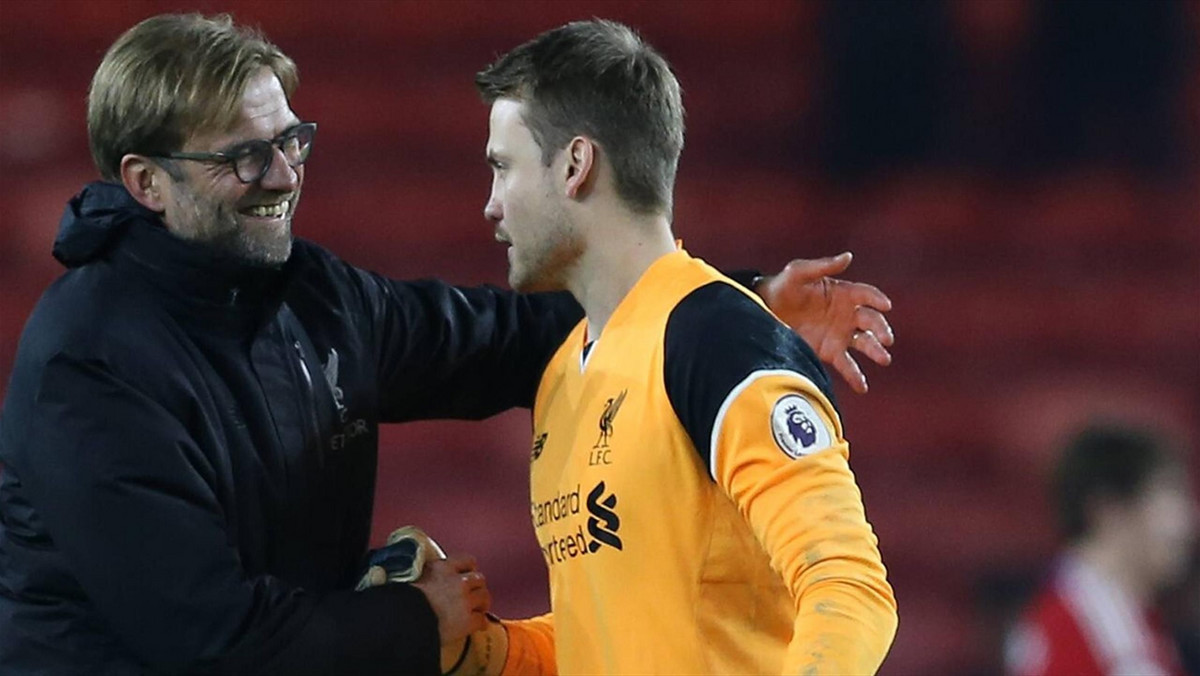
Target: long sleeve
[
  {"x": 807, "y": 513},
  {"x": 758, "y": 408},
  {"x": 133, "y": 508},
  {"x": 531, "y": 647}
]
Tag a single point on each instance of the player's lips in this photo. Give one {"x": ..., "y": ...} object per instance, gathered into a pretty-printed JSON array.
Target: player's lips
[{"x": 503, "y": 238}]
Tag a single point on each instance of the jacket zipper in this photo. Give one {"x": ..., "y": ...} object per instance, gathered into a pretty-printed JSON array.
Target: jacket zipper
[{"x": 311, "y": 399}]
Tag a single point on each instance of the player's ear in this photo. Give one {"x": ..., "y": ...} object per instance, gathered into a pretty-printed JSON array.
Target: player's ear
[{"x": 580, "y": 166}]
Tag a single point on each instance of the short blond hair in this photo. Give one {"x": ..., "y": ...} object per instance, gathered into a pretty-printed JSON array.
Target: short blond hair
[{"x": 171, "y": 76}]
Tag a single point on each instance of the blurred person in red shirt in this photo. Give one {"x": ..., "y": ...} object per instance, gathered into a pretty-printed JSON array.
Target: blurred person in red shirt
[{"x": 1129, "y": 519}]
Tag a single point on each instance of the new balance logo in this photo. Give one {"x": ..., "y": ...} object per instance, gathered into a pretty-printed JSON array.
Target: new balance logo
[
  {"x": 603, "y": 523},
  {"x": 539, "y": 445}
]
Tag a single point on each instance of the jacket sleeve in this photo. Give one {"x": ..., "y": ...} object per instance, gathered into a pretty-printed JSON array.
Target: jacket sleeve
[
  {"x": 456, "y": 352},
  {"x": 129, "y": 501}
]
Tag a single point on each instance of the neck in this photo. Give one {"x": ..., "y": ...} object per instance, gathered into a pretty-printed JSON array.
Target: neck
[
  {"x": 618, "y": 253},
  {"x": 1117, "y": 564}
]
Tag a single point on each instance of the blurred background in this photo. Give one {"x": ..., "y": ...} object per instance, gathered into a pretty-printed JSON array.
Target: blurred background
[{"x": 1020, "y": 177}]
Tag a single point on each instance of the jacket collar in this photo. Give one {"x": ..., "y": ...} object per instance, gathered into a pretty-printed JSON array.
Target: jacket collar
[{"x": 105, "y": 222}]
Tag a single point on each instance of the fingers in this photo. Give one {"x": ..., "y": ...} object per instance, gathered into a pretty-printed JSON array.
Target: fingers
[
  {"x": 460, "y": 600},
  {"x": 445, "y": 571},
  {"x": 479, "y": 598},
  {"x": 479, "y": 602},
  {"x": 868, "y": 295},
  {"x": 848, "y": 369},
  {"x": 868, "y": 343},
  {"x": 872, "y": 320},
  {"x": 462, "y": 564},
  {"x": 474, "y": 582},
  {"x": 874, "y": 326},
  {"x": 813, "y": 269}
]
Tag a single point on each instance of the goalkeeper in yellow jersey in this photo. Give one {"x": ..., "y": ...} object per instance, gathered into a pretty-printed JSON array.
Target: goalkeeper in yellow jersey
[{"x": 690, "y": 487}]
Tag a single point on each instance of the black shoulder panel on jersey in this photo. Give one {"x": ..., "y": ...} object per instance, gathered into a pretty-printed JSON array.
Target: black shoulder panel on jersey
[{"x": 715, "y": 338}]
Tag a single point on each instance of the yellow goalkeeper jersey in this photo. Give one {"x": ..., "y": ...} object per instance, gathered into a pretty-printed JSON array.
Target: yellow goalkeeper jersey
[{"x": 691, "y": 494}]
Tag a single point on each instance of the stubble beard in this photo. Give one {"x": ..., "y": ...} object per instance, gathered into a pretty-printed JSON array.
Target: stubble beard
[
  {"x": 212, "y": 223},
  {"x": 547, "y": 266}
]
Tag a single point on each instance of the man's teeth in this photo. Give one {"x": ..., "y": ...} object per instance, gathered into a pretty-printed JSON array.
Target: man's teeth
[{"x": 269, "y": 210}]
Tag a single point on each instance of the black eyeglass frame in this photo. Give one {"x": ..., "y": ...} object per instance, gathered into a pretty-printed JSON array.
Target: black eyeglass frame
[{"x": 261, "y": 147}]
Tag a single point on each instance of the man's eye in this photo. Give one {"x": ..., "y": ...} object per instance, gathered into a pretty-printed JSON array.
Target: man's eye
[{"x": 240, "y": 152}]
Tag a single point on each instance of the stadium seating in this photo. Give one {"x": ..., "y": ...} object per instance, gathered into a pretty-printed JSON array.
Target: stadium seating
[{"x": 1021, "y": 301}]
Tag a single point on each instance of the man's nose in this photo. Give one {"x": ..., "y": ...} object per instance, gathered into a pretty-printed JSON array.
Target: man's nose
[
  {"x": 280, "y": 176},
  {"x": 493, "y": 210}
]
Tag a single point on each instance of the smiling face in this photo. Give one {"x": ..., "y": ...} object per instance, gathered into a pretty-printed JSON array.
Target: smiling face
[
  {"x": 527, "y": 208},
  {"x": 206, "y": 202}
]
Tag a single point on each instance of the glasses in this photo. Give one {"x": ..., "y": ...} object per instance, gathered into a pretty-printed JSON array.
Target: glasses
[{"x": 252, "y": 160}]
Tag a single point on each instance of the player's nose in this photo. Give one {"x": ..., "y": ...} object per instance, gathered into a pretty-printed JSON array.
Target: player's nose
[{"x": 493, "y": 210}]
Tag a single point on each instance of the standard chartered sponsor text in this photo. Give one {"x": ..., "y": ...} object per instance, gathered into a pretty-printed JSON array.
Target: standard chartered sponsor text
[
  {"x": 558, "y": 507},
  {"x": 557, "y": 550},
  {"x": 562, "y": 505},
  {"x": 562, "y": 537}
]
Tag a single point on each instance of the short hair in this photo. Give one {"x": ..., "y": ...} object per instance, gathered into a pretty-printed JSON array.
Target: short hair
[
  {"x": 169, "y": 77},
  {"x": 1106, "y": 461},
  {"x": 599, "y": 79}
]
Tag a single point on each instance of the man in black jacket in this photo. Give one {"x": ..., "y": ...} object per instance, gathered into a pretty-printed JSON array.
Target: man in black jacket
[{"x": 190, "y": 435}]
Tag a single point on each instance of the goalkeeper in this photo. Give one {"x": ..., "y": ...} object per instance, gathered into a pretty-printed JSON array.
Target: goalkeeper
[{"x": 691, "y": 494}]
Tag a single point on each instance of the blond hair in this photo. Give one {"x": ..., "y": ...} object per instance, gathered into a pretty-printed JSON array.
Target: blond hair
[{"x": 171, "y": 76}]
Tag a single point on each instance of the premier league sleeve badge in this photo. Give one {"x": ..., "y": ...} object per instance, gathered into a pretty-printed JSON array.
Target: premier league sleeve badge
[{"x": 797, "y": 427}]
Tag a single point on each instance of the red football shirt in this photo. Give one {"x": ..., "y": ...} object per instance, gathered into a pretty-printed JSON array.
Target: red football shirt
[{"x": 1081, "y": 623}]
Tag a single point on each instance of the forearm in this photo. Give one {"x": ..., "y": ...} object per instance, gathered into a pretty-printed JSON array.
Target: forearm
[
  {"x": 845, "y": 609},
  {"x": 844, "y": 625}
]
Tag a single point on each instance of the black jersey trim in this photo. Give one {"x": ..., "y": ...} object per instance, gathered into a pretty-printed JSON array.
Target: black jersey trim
[{"x": 716, "y": 338}]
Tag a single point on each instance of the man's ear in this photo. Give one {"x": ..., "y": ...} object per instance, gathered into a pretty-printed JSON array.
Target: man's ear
[
  {"x": 145, "y": 180},
  {"x": 580, "y": 167}
]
